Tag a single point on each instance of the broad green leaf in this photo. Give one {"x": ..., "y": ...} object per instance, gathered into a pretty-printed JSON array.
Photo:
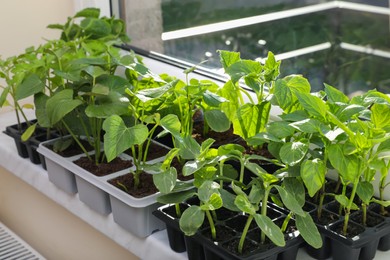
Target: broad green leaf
[
  {"x": 313, "y": 175},
  {"x": 107, "y": 106},
  {"x": 280, "y": 129},
  {"x": 118, "y": 137},
  {"x": 346, "y": 113},
  {"x": 346, "y": 165},
  {"x": 214, "y": 202},
  {"x": 3, "y": 96},
  {"x": 191, "y": 220},
  {"x": 230, "y": 92},
  {"x": 94, "y": 71},
  {"x": 242, "y": 68},
  {"x": 243, "y": 203},
  {"x": 295, "y": 188},
  {"x": 228, "y": 200},
  {"x": 169, "y": 158},
  {"x": 207, "y": 189},
  {"x": 148, "y": 94},
  {"x": 114, "y": 83},
  {"x": 308, "y": 125},
  {"x": 308, "y": 230},
  {"x": 344, "y": 201},
  {"x": 165, "y": 181},
  {"x": 335, "y": 95},
  {"x": 381, "y": 202},
  {"x": 380, "y": 115},
  {"x": 40, "y": 100},
  {"x": 365, "y": 191},
  {"x": 191, "y": 167},
  {"x": 251, "y": 119},
  {"x": 217, "y": 120},
  {"x": 189, "y": 147},
  {"x": 29, "y": 132},
  {"x": 176, "y": 197},
  {"x": 95, "y": 28},
  {"x": 171, "y": 123},
  {"x": 89, "y": 12},
  {"x": 289, "y": 201},
  {"x": 60, "y": 104},
  {"x": 31, "y": 85},
  {"x": 312, "y": 104},
  {"x": 286, "y": 89},
  {"x": 256, "y": 194},
  {"x": 270, "y": 229},
  {"x": 212, "y": 99},
  {"x": 228, "y": 58},
  {"x": 293, "y": 152}
]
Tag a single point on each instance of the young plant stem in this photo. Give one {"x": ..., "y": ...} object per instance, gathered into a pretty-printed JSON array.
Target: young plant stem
[
  {"x": 382, "y": 186},
  {"x": 244, "y": 232},
  {"x": 321, "y": 202},
  {"x": 178, "y": 210},
  {"x": 364, "y": 212},
  {"x": 348, "y": 209},
  {"x": 77, "y": 140},
  {"x": 285, "y": 222},
  {"x": 242, "y": 168},
  {"x": 212, "y": 226},
  {"x": 264, "y": 210}
]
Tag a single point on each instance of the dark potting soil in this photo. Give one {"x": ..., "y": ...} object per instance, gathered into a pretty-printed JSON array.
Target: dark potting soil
[
  {"x": 325, "y": 218},
  {"x": 103, "y": 168},
  {"x": 224, "y": 214},
  {"x": 249, "y": 246},
  {"x": 155, "y": 151},
  {"x": 73, "y": 149},
  {"x": 255, "y": 235},
  {"x": 146, "y": 185},
  {"x": 223, "y": 233},
  {"x": 352, "y": 230},
  {"x": 371, "y": 221}
]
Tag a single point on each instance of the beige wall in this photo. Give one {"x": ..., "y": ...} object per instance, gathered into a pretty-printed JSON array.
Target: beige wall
[{"x": 23, "y": 22}]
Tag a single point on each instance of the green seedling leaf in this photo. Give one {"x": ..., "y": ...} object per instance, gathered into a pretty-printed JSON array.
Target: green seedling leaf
[
  {"x": 118, "y": 137},
  {"x": 112, "y": 104},
  {"x": 251, "y": 119},
  {"x": 365, "y": 191},
  {"x": 95, "y": 28},
  {"x": 280, "y": 129},
  {"x": 40, "y": 100},
  {"x": 242, "y": 202},
  {"x": 31, "y": 85},
  {"x": 99, "y": 89},
  {"x": 29, "y": 132},
  {"x": 308, "y": 230},
  {"x": 217, "y": 120},
  {"x": 62, "y": 144},
  {"x": 312, "y": 104},
  {"x": 207, "y": 189},
  {"x": 256, "y": 194},
  {"x": 171, "y": 123},
  {"x": 286, "y": 89},
  {"x": 214, "y": 202},
  {"x": 346, "y": 113},
  {"x": 313, "y": 175},
  {"x": 89, "y": 12},
  {"x": 290, "y": 202},
  {"x": 344, "y": 201},
  {"x": 380, "y": 115},
  {"x": 346, "y": 165},
  {"x": 3, "y": 96},
  {"x": 308, "y": 125},
  {"x": 381, "y": 202},
  {"x": 270, "y": 229},
  {"x": 165, "y": 181},
  {"x": 293, "y": 152},
  {"x": 191, "y": 167},
  {"x": 243, "y": 68},
  {"x": 153, "y": 93},
  {"x": 60, "y": 104},
  {"x": 295, "y": 188},
  {"x": 169, "y": 158},
  {"x": 228, "y": 58},
  {"x": 228, "y": 200},
  {"x": 176, "y": 197},
  {"x": 334, "y": 95},
  {"x": 191, "y": 220}
]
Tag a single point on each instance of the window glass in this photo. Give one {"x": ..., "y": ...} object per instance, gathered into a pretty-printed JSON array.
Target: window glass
[{"x": 342, "y": 43}]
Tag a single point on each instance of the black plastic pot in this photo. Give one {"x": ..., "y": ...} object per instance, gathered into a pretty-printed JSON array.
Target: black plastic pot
[
  {"x": 200, "y": 246},
  {"x": 361, "y": 245},
  {"x": 33, "y": 144},
  {"x": 16, "y": 133}
]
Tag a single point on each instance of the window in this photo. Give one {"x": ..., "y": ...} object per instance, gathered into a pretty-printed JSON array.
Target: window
[{"x": 343, "y": 43}]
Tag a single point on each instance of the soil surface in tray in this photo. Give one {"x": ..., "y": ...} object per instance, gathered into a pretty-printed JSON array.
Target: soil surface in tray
[
  {"x": 155, "y": 151},
  {"x": 103, "y": 168},
  {"x": 145, "y": 188}
]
